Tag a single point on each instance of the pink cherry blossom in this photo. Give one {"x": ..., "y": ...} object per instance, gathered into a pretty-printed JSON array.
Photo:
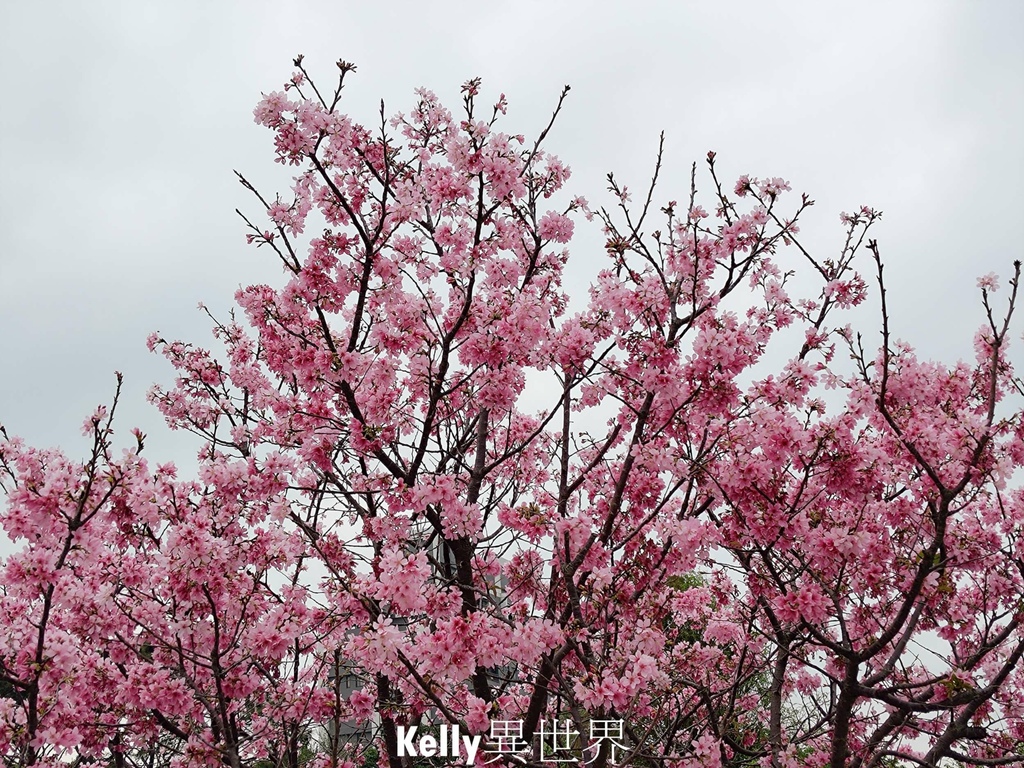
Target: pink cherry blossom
[{"x": 430, "y": 494}]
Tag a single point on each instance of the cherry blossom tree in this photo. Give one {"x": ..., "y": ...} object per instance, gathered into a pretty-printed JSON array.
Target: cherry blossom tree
[{"x": 420, "y": 465}]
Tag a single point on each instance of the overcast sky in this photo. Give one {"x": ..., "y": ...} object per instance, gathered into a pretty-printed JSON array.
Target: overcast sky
[{"x": 123, "y": 121}]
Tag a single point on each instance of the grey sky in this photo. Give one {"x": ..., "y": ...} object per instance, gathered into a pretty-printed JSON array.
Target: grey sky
[{"x": 123, "y": 122}]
